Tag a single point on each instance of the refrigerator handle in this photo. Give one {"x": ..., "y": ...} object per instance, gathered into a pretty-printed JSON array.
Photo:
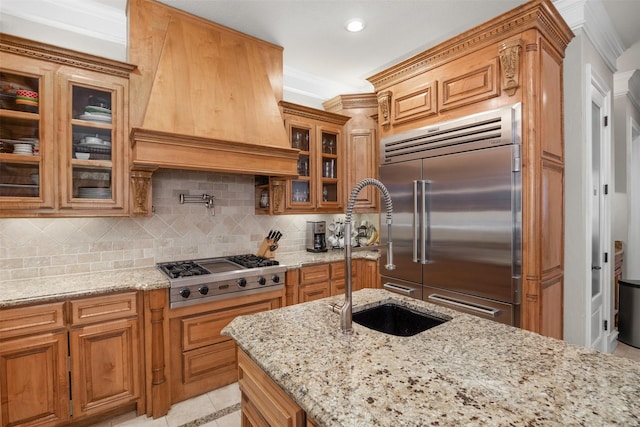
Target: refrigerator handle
[
  {"x": 416, "y": 222},
  {"x": 425, "y": 229}
]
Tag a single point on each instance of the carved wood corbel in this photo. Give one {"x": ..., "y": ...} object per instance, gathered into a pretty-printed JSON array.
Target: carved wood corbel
[
  {"x": 384, "y": 105},
  {"x": 277, "y": 192},
  {"x": 141, "y": 191},
  {"x": 509, "y": 53}
]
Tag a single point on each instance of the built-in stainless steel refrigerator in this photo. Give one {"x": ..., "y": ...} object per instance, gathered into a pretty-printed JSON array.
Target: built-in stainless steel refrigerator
[{"x": 456, "y": 192}]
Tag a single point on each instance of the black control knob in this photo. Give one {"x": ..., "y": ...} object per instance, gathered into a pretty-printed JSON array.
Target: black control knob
[
  {"x": 262, "y": 280},
  {"x": 275, "y": 278},
  {"x": 203, "y": 290},
  {"x": 242, "y": 282},
  {"x": 184, "y": 293}
]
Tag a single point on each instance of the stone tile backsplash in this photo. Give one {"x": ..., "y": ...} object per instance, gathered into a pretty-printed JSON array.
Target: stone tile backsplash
[{"x": 35, "y": 247}]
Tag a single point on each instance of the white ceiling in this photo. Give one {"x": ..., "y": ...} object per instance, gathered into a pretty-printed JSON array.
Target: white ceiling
[
  {"x": 321, "y": 59},
  {"x": 316, "y": 46}
]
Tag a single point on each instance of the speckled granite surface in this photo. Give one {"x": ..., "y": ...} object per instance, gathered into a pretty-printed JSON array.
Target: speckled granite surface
[
  {"x": 295, "y": 260},
  {"x": 466, "y": 372},
  {"x": 47, "y": 289}
]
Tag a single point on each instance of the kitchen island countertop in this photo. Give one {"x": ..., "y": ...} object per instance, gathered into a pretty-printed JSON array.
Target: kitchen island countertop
[{"x": 467, "y": 371}]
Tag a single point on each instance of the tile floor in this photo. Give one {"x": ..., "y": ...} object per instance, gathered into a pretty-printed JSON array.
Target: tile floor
[
  {"x": 218, "y": 408},
  {"x": 221, "y": 407}
]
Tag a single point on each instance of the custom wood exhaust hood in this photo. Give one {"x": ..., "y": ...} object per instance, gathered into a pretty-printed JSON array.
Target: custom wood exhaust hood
[{"x": 204, "y": 97}]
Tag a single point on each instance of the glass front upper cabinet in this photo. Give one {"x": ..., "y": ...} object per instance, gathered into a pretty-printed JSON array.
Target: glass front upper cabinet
[
  {"x": 22, "y": 149},
  {"x": 300, "y": 191},
  {"x": 93, "y": 145},
  {"x": 329, "y": 163}
]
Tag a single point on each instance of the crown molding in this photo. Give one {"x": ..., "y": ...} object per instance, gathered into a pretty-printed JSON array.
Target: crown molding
[
  {"x": 628, "y": 84},
  {"x": 591, "y": 16},
  {"x": 91, "y": 19}
]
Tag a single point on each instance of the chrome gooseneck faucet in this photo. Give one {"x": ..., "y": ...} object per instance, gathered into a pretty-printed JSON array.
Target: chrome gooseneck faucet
[{"x": 346, "y": 310}]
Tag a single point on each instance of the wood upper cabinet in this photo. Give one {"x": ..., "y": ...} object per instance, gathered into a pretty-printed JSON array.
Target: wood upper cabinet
[
  {"x": 513, "y": 58},
  {"x": 361, "y": 146},
  {"x": 318, "y": 135},
  {"x": 63, "y": 129}
]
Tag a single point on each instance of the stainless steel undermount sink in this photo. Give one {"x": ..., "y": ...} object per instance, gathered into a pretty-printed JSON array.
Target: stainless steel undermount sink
[{"x": 394, "y": 319}]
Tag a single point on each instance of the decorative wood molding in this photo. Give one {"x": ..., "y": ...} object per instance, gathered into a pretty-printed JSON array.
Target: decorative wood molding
[
  {"x": 153, "y": 149},
  {"x": 312, "y": 113},
  {"x": 350, "y": 102},
  {"x": 535, "y": 14},
  {"x": 509, "y": 53},
  {"x": 384, "y": 107},
  {"x": 58, "y": 55},
  {"x": 141, "y": 191}
]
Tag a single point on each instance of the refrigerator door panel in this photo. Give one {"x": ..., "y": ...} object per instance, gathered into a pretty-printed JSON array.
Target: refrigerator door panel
[
  {"x": 469, "y": 223},
  {"x": 487, "y": 309},
  {"x": 399, "y": 178}
]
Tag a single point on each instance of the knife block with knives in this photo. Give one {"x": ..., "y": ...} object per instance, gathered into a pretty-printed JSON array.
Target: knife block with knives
[{"x": 269, "y": 244}]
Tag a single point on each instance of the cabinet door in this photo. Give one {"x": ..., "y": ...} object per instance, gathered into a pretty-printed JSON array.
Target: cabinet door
[
  {"x": 300, "y": 192},
  {"x": 329, "y": 167},
  {"x": 105, "y": 368},
  {"x": 362, "y": 162},
  {"x": 369, "y": 274},
  {"x": 92, "y": 141},
  {"x": 34, "y": 382},
  {"x": 27, "y": 179}
]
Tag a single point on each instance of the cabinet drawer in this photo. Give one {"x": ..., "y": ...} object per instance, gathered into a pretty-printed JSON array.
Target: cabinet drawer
[
  {"x": 30, "y": 320},
  {"x": 314, "y": 274},
  {"x": 203, "y": 363},
  {"x": 338, "y": 270},
  {"x": 199, "y": 331},
  {"x": 99, "y": 309}
]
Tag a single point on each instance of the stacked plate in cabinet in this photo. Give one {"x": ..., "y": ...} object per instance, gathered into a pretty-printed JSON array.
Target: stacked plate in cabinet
[
  {"x": 96, "y": 114},
  {"x": 94, "y": 193},
  {"x": 20, "y": 146}
]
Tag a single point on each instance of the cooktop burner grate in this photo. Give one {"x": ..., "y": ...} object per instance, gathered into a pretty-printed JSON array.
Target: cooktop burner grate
[
  {"x": 252, "y": 261},
  {"x": 183, "y": 269}
]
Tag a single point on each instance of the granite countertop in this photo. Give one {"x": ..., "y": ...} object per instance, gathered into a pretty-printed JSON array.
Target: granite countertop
[
  {"x": 297, "y": 259},
  {"x": 467, "y": 371},
  {"x": 55, "y": 288}
]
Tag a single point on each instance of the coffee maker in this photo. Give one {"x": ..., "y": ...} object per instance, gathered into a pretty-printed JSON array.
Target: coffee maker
[{"x": 316, "y": 233}]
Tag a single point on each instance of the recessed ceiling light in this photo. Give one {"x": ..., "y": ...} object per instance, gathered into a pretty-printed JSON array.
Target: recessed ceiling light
[{"x": 354, "y": 25}]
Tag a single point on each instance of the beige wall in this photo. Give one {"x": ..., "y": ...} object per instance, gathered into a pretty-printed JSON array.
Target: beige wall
[{"x": 46, "y": 247}]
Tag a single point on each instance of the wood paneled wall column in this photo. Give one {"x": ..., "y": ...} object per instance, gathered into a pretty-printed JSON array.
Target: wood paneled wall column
[{"x": 156, "y": 319}]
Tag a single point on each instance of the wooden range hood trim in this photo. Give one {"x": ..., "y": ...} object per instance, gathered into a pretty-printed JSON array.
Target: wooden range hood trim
[{"x": 168, "y": 150}]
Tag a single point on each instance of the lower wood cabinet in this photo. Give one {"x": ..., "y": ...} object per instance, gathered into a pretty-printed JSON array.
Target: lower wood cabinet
[
  {"x": 105, "y": 370},
  {"x": 201, "y": 358},
  {"x": 34, "y": 380},
  {"x": 263, "y": 402},
  {"x": 322, "y": 280},
  {"x": 314, "y": 282},
  {"x": 66, "y": 362}
]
